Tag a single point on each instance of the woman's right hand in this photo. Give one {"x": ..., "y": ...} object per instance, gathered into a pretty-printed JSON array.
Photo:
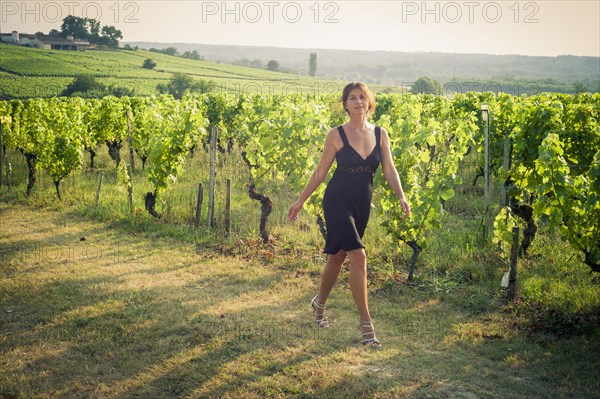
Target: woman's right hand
[{"x": 294, "y": 210}]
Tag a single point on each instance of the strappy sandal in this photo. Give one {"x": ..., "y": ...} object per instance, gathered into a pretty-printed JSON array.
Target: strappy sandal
[
  {"x": 373, "y": 341},
  {"x": 321, "y": 321}
]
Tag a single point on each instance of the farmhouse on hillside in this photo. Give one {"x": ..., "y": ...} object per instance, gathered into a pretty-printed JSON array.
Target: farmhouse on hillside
[{"x": 45, "y": 41}]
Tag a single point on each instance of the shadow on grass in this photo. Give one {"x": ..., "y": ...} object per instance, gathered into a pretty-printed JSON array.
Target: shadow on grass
[{"x": 151, "y": 325}]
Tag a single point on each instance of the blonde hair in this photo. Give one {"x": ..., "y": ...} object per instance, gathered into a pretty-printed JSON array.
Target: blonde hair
[{"x": 362, "y": 87}]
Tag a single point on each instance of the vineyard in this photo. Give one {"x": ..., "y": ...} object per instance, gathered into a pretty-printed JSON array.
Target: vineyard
[
  {"x": 544, "y": 151},
  {"x": 170, "y": 269}
]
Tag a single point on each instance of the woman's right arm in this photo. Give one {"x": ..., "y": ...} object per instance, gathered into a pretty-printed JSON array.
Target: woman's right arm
[{"x": 318, "y": 175}]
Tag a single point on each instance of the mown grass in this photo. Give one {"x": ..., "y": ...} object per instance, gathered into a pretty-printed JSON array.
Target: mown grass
[{"x": 95, "y": 302}]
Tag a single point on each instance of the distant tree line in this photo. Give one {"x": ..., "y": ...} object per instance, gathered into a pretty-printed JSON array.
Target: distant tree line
[
  {"x": 88, "y": 29},
  {"x": 87, "y": 86},
  {"x": 192, "y": 55},
  {"x": 426, "y": 85},
  {"x": 256, "y": 63},
  {"x": 272, "y": 65}
]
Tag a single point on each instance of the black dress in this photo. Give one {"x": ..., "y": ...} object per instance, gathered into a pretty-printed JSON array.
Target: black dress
[{"x": 347, "y": 198}]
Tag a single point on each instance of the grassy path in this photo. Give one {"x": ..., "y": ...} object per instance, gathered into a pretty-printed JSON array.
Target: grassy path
[{"x": 93, "y": 310}]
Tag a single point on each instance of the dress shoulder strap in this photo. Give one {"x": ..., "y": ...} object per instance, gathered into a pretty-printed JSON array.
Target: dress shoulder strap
[
  {"x": 377, "y": 136},
  {"x": 343, "y": 135}
]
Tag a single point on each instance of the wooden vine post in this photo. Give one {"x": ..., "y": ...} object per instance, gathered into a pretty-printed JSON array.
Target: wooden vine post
[
  {"x": 199, "y": 204},
  {"x": 506, "y": 166},
  {"x": 130, "y": 189},
  {"x": 129, "y": 139},
  {"x": 99, "y": 187},
  {"x": 512, "y": 271},
  {"x": 213, "y": 172},
  {"x": 486, "y": 170},
  {"x": 8, "y": 171},
  {"x": 228, "y": 209}
]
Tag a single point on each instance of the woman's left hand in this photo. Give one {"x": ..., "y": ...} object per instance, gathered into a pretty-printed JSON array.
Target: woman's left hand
[{"x": 405, "y": 207}]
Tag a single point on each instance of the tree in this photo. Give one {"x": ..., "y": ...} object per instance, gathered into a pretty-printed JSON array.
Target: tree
[
  {"x": 80, "y": 84},
  {"x": 425, "y": 85},
  {"x": 75, "y": 26},
  {"x": 117, "y": 91},
  {"x": 272, "y": 65},
  {"x": 204, "y": 86},
  {"x": 86, "y": 86},
  {"x": 94, "y": 27},
  {"x": 169, "y": 51},
  {"x": 110, "y": 36},
  {"x": 177, "y": 86},
  {"x": 181, "y": 83},
  {"x": 149, "y": 63},
  {"x": 312, "y": 64},
  {"x": 192, "y": 55}
]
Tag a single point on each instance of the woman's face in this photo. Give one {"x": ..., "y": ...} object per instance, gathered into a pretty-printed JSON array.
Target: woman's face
[{"x": 357, "y": 102}]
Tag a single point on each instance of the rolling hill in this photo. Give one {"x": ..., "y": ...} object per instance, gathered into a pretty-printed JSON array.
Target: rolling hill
[{"x": 28, "y": 72}]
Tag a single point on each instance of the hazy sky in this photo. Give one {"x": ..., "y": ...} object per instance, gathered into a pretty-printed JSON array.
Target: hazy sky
[{"x": 547, "y": 27}]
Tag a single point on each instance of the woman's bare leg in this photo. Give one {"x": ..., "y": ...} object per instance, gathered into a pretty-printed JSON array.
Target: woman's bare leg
[
  {"x": 358, "y": 281},
  {"x": 358, "y": 285},
  {"x": 330, "y": 274}
]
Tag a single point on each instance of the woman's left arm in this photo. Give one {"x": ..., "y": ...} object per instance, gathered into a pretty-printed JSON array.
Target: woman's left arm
[{"x": 390, "y": 173}]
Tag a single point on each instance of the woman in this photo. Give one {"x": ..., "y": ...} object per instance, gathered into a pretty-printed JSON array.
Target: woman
[{"x": 358, "y": 147}]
